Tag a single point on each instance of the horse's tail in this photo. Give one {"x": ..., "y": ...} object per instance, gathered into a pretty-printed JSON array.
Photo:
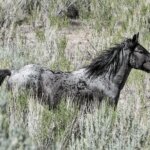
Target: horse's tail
[{"x": 3, "y": 74}]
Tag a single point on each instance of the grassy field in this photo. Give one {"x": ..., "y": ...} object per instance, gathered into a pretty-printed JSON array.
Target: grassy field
[{"x": 32, "y": 32}]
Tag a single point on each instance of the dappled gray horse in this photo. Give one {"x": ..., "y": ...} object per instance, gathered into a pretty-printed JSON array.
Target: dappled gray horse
[{"x": 104, "y": 77}]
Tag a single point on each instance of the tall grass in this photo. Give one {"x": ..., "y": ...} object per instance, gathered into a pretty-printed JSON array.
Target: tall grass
[{"x": 31, "y": 32}]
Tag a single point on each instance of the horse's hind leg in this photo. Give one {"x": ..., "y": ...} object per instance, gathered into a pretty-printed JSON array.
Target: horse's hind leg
[{"x": 53, "y": 101}]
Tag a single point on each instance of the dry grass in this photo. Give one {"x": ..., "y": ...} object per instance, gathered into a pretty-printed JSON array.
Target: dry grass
[{"x": 37, "y": 35}]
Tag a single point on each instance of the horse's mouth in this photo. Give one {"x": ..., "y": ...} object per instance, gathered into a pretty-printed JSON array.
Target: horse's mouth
[{"x": 146, "y": 67}]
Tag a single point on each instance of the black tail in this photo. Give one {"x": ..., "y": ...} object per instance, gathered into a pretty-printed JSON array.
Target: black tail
[{"x": 3, "y": 74}]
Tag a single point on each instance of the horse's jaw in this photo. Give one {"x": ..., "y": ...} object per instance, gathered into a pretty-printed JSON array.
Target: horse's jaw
[{"x": 146, "y": 67}]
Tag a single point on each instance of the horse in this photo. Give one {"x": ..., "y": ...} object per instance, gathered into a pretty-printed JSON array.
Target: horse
[{"x": 104, "y": 77}]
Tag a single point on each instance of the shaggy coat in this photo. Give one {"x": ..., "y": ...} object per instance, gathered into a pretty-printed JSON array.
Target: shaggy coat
[{"x": 104, "y": 77}]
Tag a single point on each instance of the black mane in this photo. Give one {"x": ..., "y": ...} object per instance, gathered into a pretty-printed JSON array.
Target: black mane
[
  {"x": 107, "y": 73},
  {"x": 109, "y": 59}
]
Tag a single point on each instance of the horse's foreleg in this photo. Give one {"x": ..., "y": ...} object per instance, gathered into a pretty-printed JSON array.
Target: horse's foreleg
[{"x": 114, "y": 101}]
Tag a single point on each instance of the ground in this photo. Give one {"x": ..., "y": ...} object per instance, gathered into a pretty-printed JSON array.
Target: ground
[{"x": 63, "y": 44}]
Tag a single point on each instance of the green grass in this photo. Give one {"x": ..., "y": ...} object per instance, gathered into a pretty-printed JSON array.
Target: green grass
[{"x": 42, "y": 37}]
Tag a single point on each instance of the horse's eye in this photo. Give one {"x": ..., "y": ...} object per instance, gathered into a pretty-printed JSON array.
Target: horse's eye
[{"x": 141, "y": 52}]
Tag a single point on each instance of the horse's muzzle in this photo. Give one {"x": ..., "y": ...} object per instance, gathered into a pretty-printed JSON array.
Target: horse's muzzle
[{"x": 146, "y": 67}]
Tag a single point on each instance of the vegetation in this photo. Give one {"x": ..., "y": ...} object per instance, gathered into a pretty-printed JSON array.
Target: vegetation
[{"x": 33, "y": 32}]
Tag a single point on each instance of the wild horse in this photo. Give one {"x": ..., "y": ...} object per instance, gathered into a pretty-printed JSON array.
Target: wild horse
[{"x": 104, "y": 77}]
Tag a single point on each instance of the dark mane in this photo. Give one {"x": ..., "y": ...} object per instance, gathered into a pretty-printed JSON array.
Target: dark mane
[
  {"x": 109, "y": 59},
  {"x": 107, "y": 73}
]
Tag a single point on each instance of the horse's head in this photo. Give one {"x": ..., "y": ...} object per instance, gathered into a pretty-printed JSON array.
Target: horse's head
[{"x": 139, "y": 56}]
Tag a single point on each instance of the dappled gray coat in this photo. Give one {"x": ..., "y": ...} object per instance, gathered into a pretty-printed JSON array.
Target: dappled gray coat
[
  {"x": 105, "y": 76},
  {"x": 48, "y": 85}
]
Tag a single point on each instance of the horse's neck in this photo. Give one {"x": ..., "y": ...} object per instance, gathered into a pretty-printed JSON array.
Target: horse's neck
[{"x": 121, "y": 76}]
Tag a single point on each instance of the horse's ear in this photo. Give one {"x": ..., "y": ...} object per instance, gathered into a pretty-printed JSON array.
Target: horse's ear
[{"x": 135, "y": 37}]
